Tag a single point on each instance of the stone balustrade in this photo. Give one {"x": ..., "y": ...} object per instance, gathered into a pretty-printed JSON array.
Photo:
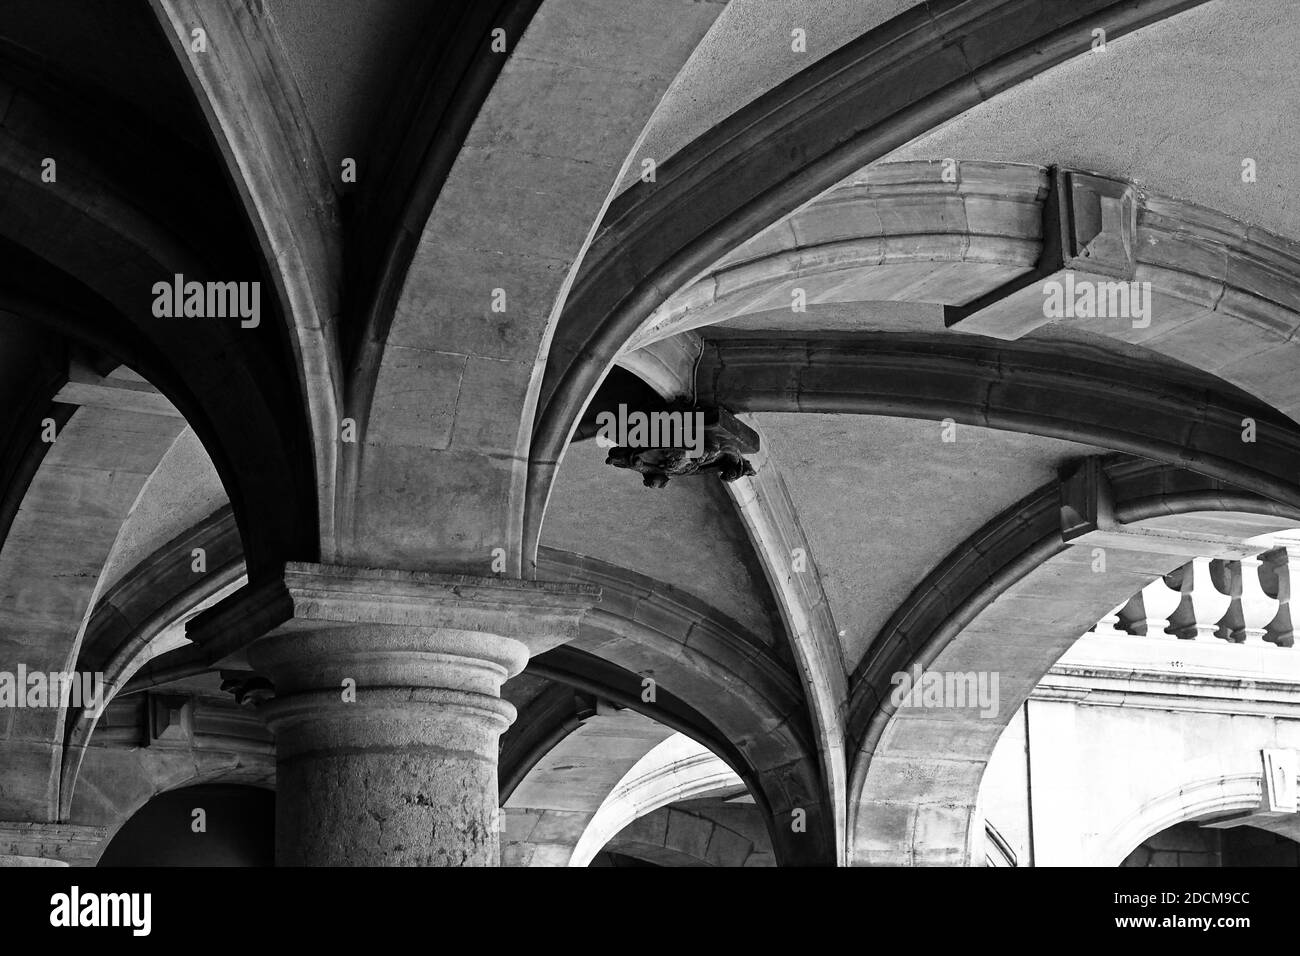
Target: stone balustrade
[{"x": 1246, "y": 601}]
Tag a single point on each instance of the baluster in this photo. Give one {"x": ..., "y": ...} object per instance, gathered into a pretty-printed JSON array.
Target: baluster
[
  {"x": 1131, "y": 615},
  {"x": 1283, "y": 566},
  {"x": 1203, "y": 605},
  {"x": 1257, "y": 608},
  {"x": 1184, "y": 616},
  {"x": 1159, "y": 600},
  {"x": 1108, "y": 626}
]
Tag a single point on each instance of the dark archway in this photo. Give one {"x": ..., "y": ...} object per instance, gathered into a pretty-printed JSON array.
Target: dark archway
[
  {"x": 1190, "y": 844},
  {"x": 239, "y": 829}
]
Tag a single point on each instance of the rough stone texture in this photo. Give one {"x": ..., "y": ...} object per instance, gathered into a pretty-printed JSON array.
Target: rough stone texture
[
  {"x": 431, "y": 807},
  {"x": 48, "y": 844},
  {"x": 404, "y": 774}
]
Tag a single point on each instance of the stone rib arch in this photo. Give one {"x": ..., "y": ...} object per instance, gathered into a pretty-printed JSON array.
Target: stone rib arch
[
  {"x": 843, "y": 112},
  {"x": 258, "y": 119},
  {"x": 547, "y": 813},
  {"x": 152, "y": 600},
  {"x": 416, "y": 154},
  {"x": 455, "y": 379},
  {"x": 672, "y": 367},
  {"x": 52, "y": 559},
  {"x": 492, "y": 170},
  {"x": 117, "y": 782},
  {"x": 736, "y": 685},
  {"x": 1011, "y": 600},
  {"x": 753, "y": 732},
  {"x": 1223, "y": 300},
  {"x": 677, "y": 769},
  {"x": 87, "y": 252},
  {"x": 892, "y": 232},
  {"x": 771, "y": 519},
  {"x": 64, "y": 588},
  {"x": 1080, "y": 394}
]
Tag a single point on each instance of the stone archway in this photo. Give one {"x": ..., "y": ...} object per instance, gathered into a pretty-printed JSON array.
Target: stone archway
[{"x": 1030, "y": 590}]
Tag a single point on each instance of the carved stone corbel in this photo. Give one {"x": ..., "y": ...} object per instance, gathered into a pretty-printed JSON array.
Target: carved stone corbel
[
  {"x": 725, "y": 442},
  {"x": 1089, "y": 232},
  {"x": 1088, "y": 518}
]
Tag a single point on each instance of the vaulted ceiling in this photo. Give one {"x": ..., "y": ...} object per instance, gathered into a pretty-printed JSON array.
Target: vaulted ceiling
[{"x": 887, "y": 167}]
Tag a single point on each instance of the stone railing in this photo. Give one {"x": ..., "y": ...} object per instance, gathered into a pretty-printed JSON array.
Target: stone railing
[{"x": 1247, "y": 601}]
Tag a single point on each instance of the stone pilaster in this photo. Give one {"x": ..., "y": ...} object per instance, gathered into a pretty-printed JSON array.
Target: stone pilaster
[{"x": 387, "y": 710}]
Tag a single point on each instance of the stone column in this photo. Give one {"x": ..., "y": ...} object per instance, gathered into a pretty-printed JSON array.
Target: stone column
[
  {"x": 387, "y": 709},
  {"x": 50, "y": 844}
]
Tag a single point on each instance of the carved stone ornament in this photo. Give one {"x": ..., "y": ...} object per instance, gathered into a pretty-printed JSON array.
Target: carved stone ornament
[
  {"x": 725, "y": 441},
  {"x": 248, "y": 689},
  {"x": 657, "y": 465}
]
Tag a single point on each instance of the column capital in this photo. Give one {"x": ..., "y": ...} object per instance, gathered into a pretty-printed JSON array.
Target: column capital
[
  {"x": 409, "y": 642},
  {"x": 538, "y": 614},
  {"x": 50, "y": 844},
  {"x": 387, "y": 711}
]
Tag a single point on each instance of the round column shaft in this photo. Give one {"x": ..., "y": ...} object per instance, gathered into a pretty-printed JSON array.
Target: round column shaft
[
  {"x": 387, "y": 744},
  {"x": 387, "y": 709}
]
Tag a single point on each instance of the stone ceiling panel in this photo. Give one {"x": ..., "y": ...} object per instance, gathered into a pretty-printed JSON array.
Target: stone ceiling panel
[
  {"x": 884, "y": 500},
  {"x": 686, "y": 535},
  {"x": 748, "y": 52},
  {"x": 1175, "y": 107}
]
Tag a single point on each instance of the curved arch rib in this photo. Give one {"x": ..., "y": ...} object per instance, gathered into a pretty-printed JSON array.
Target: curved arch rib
[
  {"x": 853, "y": 106},
  {"x": 259, "y": 121},
  {"x": 677, "y": 769},
  {"x": 156, "y": 596},
  {"x": 772, "y": 523},
  {"x": 731, "y": 682},
  {"x": 1010, "y": 601},
  {"x": 1073, "y": 393}
]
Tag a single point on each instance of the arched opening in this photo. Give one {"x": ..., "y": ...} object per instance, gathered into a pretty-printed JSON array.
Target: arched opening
[
  {"x": 1171, "y": 725},
  {"x": 679, "y": 805},
  {"x": 1191, "y": 844},
  {"x": 205, "y": 825}
]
